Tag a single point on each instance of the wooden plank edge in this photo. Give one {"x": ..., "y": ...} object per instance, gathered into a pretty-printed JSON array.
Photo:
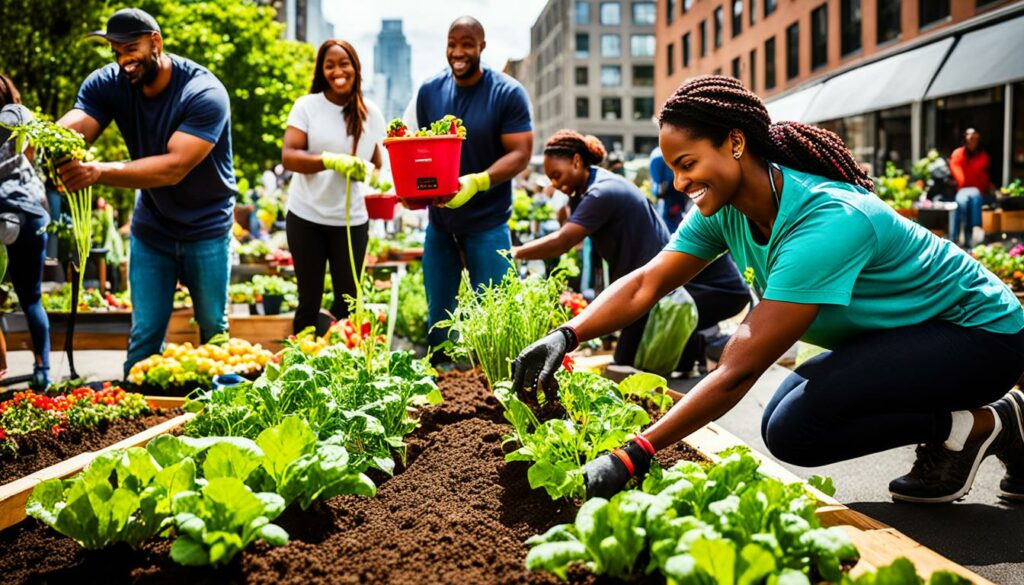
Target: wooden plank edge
[
  {"x": 165, "y": 401},
  {"x": 15, "y": 494}
]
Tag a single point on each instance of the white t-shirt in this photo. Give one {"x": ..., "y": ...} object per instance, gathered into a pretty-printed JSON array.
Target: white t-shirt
[{"x": 320, "y": 197}]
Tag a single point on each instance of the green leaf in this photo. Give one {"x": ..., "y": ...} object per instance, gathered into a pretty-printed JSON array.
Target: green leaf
[
  {"x": 236, "y": 459},
  {"x": 285, "y": 443},
  {"x": 823, "y": 484},
  {"x": 789, "y": 577},
  {"x": 716, "y": 557},
  {"x": 556, "y": 556},
  {"x": 43, "y": 502},
  {"x": 273, "y": 534},
  {"x": 188, "y": 552},
  {"x": 755, "y": 564}
]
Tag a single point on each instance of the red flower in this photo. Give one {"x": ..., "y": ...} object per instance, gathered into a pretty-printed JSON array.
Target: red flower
[{"x": 568, "y": 363}]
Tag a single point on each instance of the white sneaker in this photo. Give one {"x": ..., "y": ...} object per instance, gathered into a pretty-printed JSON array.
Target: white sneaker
[{"x": 977, "y": 235}]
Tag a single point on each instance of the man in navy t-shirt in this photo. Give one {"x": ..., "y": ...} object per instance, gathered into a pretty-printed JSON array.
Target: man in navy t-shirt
[
  {"x": 174, "y": 116},
  {"x": 471, "y": 230}
]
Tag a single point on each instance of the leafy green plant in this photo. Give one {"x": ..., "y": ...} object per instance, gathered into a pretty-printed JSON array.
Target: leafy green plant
[
  {"x": 411, "y": 320},
  {"x": 726, "y": 524},
  {"x": 1013, "y": 189},
  {"x": 896, "y": 188},
  {"x": 494, "y": 323},
  {"x": 598, "y": 419}
]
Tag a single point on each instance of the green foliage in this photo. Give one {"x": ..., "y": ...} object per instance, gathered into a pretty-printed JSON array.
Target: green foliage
[
  {"x": 1013, "y": 189},
  {"x": 494, "y": 323},
  {"x": 411, "y": 320},
  {"x": 896, "y": 188},
  {"x": 728, "y": 524},
  {"x": 597, "y": 419}
]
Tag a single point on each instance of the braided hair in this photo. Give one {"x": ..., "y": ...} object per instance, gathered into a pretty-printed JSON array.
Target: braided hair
[
  {"x": 711, "y": 106},
  {"x": 568, "y": 143}
]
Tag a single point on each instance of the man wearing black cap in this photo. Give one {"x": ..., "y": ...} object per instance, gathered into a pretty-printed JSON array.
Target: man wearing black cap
[{"x": 175, "y": 119}]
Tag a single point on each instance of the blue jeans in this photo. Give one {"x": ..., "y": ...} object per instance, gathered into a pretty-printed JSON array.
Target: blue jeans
[
  {"x": 154, "y": 270},
  {"x": 968, "y": 203},
  {"x": 443, "y": 263},
  {"x": 26, "y": 256},
  {"x": 886, "y": 389}
]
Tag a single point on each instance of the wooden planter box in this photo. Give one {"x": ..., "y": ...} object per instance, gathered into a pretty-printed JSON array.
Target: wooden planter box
[
  {"x": 15, "y": 494},
  {"x": 93, "y": 330},
  {"x": 266, "y": 330}
]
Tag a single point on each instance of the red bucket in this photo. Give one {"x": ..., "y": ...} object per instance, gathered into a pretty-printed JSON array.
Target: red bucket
[
  {"x": 381, "y": 206},
  {"x": 425, "y": 168}
]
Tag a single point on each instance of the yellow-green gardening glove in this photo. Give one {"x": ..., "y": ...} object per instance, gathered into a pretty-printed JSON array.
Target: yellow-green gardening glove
[
  {"x": 350, "y": 166},
  {"x": 469, "y": 185}
]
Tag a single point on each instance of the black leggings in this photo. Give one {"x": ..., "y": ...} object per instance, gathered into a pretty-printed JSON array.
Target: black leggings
[
  {"x": 887, "y": 389},
  {"x": 313, "y": 245},
  {"x": 713, "y": 305}
]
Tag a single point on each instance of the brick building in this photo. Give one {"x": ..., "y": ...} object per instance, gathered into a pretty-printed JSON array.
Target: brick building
[{"x": 892, "y": 77}]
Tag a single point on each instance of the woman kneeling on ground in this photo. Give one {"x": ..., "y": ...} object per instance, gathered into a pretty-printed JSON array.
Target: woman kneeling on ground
[
  {"x": 925, "y": 343},
  {"x": 627, "y": 233}
]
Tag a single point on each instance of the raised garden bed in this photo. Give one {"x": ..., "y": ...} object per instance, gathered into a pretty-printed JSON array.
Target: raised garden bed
[{"x": 457, "y": 512}]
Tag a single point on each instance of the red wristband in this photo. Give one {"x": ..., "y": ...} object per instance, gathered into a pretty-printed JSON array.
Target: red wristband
[
  {"x": 644, "y": 444},
  {"x": 624, "y": 458}
]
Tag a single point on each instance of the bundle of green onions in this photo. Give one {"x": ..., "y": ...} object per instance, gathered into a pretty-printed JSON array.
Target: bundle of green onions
[{"x": 54, "y": 144}]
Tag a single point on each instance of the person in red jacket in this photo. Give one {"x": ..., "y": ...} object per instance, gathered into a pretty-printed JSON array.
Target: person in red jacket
[{"x": 969, "y": 165}]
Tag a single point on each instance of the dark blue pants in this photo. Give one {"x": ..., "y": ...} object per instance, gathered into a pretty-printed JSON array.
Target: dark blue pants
[
  {"x": 887, "y": 389},
  {"x": 26, "y": 256}
]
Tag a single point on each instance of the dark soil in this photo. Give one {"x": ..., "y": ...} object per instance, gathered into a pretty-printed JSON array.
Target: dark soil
[
  {"x": 455, "y": 513},
  {"x": 40, "y": 449}
]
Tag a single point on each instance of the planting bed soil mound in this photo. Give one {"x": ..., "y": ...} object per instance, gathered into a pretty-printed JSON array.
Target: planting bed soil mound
[
  {"x": 40, "y": 449},
  {"x": 456, "y": 513}
]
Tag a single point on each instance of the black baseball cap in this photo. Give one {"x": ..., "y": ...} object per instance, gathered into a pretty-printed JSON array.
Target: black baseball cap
[{"x": 126, "y": 25}]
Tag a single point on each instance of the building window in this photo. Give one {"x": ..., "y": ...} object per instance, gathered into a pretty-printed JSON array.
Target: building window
[
  {"x": 643, "y": 108},
  {"x": 753, "y": 12},
  {"x": 793, "y": 50},
  {"x": 582, "y": 12},
  {"x": 582, "y": 76},
  {"x": 736, "y": 67},
  {"x": 611, "y": 46},
  {"x": 819, "y": 32},
  {"x": 582, "y": 45},
  {"x": 644, "y": 13},
  {"x": 685, "y": 44},
  {"x": 611, "y": 75},
  {"x": 770, "y": 6},
  {"x": 641, "y": 45},
  {"x": 753, "y": 70},
  {"x": 719, "y": 25},
  {"x": 611, "y": 108},
  {"x": 849, "y": 23},
  {"x": 611, "y": 14},
  {"x": 582, "y": 107},
  {"x": 687, "y": 5},
  {"x": 670, "y": 13},
  {"x": 643, "y": 75},
  {"x": 737, "y": 17},
  {"x": 769, "y": 63},
  {"x": 929, "y": 11},
  {"x": 670, "y": 63},
  {"x": 888, "y": 20},
  {"x": 704, "y": 38}
]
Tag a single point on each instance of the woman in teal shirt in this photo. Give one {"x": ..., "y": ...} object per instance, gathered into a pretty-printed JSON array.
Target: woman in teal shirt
[{"x": 925, "y": 343}]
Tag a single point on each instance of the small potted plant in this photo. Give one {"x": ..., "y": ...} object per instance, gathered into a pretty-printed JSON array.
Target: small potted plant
[
  {"x": 896, "y": 189},
  {"x": 241, "y": 298},
  {"x": 1011, "y": 196}
]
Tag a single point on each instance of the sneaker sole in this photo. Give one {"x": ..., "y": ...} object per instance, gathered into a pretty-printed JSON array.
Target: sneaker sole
[
  {"x": 1016, "y": 399},
  {"x": 963, "y": 491}
]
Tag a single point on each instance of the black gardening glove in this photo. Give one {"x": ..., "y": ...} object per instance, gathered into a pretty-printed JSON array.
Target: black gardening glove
[
  {"x": 609, "y": 473},
  {"x": 536, "y": 365}
]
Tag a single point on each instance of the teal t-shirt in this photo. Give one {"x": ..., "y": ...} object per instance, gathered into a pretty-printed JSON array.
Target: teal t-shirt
[{"x": 839, "y": 246}]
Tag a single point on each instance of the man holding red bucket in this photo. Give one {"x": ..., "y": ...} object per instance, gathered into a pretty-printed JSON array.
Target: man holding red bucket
[{"x": 471, "y": 230}]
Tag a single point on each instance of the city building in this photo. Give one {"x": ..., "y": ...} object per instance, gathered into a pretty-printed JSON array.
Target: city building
[
  {"x": 304, "y": 20},
  {"x": 591, "y": 68},
  {"x": 392, "y": 61},
  {"x": 894, "y": 78}
]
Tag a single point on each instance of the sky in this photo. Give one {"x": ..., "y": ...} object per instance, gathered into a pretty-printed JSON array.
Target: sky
[{"x": 425, "y": 24}]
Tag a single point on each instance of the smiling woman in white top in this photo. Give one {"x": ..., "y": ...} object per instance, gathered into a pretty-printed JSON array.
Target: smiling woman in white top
[{"x": 331, "y": 131}]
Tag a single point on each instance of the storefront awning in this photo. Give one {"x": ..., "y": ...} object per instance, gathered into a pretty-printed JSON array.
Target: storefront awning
[
  {"x": 894, "y": 81},
  {"x": 792, "y": 106},
  {"x": 984, "y": 58}
]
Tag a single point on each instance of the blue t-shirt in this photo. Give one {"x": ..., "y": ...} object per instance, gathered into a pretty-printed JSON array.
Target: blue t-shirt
[
  {"x": 495, "y": 105},
  {"x": 841, "y": 247},
  {"x": 195, "y": 102}
]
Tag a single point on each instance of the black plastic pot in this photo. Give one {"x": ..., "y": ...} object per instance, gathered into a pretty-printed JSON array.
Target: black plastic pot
[{"x": 272, "y": 304}]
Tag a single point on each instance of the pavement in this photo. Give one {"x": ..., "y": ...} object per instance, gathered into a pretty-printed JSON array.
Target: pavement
[{"x": 979, "y": 532}]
